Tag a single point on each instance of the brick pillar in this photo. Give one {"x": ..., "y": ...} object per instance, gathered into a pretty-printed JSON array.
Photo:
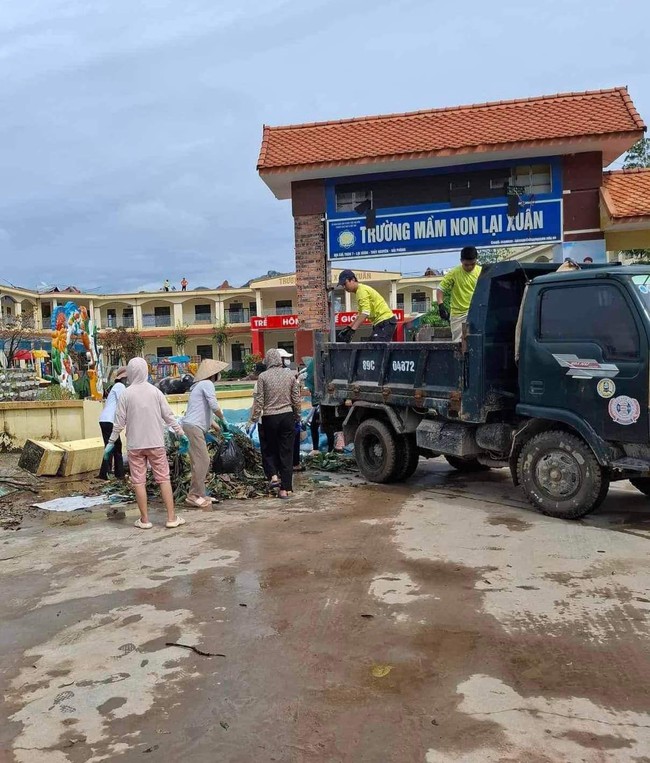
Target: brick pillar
[
  {"x": 311, "y": 272},
  {"x": 308, "y": 209}
]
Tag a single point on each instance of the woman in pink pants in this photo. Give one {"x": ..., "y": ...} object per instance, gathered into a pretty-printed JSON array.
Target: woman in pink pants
[{"x": 143, "y": 410}]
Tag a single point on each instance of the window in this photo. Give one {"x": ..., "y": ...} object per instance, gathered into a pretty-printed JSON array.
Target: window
[
  {"x": 419, "y": 302},
  {"x": 597, "y": 314},
  {"x": 111, "y": 318},
  {"x": 202, "y": 314},
  {"x": 164, "y": 352},
  {"x": 283, "y": 307},
  {"x": 400, "y": 301},
  {"x": 346, "y": 201},
  {"x": 533, "y": 178},
  {"x": 204, "y": 351},
  {"x": 252, "y": 309}
]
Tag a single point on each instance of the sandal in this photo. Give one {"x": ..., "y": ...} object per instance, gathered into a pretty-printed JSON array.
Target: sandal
[
  {"x": 285, "y": 496},
  {"x": 176, "y": 523},
  {"x": 143, "y": 525},
  {"x": 201, "y": 503}
]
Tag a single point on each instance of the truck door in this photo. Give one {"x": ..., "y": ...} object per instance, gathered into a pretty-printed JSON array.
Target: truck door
[{"x": 587, "y": 353}]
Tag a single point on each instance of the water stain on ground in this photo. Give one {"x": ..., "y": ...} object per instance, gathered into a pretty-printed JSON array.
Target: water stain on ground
[
  {"x": 512, "y": 523},
  {"x": 297, "y": 683}
]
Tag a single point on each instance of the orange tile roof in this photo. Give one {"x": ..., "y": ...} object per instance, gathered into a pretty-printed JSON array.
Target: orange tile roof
[
  {"x": 459, "y": 129},
  {"x": 626, "y": 193}
]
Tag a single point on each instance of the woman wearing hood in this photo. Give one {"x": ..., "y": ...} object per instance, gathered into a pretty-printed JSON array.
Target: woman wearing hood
[
  {"x": 143, "y": 411},
  {"x": 277, "y": 401}
]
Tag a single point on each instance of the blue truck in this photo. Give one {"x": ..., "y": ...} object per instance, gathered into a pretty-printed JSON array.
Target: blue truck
[{"x": 551, "y": 380}]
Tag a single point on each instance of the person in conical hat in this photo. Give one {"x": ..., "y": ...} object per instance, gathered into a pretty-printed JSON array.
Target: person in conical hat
[{"x": 201, "y": 406}]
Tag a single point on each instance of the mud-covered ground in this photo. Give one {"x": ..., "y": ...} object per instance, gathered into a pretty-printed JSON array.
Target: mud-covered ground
[{"x": 437, "y": 621}]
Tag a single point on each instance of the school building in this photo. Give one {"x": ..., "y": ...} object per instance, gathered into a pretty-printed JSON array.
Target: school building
[{"x": 258, "y": 316}]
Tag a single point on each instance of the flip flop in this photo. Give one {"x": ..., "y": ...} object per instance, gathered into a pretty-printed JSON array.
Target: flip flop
[
  {"x": 176, "y": 523},
  {"x": 201, "y": 504}
]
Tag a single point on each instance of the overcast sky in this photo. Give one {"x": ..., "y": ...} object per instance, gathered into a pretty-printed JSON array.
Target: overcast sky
[{"x": 130, "y": 129}]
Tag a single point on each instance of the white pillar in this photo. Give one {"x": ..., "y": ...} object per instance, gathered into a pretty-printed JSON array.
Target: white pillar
[
  {"x": 393, "y": 295},
  {"x": 97, "y": 316},
  {"x": 219, "y": 313},
  {"x": 258, "y": 302},
  {"x": 348, "y": 302},
  {"x": 18, "y": 308},
  {"x": 38, "y": 316},
  {"x": 178, "y": 314},
  {"x": 137, "y": 316}
]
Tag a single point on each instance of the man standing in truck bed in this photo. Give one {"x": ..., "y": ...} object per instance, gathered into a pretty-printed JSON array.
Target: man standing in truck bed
[
  {"x": 370, "y": 304},
  {"x": 461, "y": 282}
]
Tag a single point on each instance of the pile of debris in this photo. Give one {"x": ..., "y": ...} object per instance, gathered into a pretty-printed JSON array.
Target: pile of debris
[
  {"x": 332, "y": 462},
  {"x": 236, "y": 471},
  {"x": 12, "y": 484}
]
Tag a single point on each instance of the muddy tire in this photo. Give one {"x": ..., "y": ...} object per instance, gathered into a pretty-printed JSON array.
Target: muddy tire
[
  {"x": 465, "y": 464},
  {"x": 642, "y": 484},
  {"x": 376, "y": 450},
  {"x": 561, "y": 476},
  {"x": 408, "y": 458}
]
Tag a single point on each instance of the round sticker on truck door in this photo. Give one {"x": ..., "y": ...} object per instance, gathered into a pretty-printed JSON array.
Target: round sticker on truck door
[
  {"x": 606, "y": 388},
  {"x": 624, "y": 410}
]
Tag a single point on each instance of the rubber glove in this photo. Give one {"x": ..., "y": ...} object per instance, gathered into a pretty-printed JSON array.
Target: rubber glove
[
  {"x": 108, "y": 450},
  {"x": 443, "y": 312},
  {"x": 346, "y": 335},
  {"x": 183, "y": 444}
]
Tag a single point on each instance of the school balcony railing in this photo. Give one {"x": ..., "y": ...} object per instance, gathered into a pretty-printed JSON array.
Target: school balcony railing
[
  {"x": 238, "y": 315},
  {"x": 156, "y": 321}
]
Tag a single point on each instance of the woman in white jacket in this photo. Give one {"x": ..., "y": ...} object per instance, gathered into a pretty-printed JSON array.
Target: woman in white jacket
[{"x": 106, "y": 420}]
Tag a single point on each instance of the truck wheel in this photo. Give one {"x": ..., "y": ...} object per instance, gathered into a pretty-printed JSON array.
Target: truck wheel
[
  {"x": 642, "y": 484},
  {"x": 465, "y": 464},
  {"x": 409, "y": 457},
  {"x": 560, "y": 475},
  {"x": 375, "y": 448}
]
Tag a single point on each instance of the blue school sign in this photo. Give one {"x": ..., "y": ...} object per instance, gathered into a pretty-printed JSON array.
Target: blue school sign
[
  {"x": 410, "y": 231},
  {"x": 439, "y": 227}
]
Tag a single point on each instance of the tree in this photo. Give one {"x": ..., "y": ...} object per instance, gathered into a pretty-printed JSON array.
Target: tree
[
  {"x": 122, "y": 343},
  {"x": 250, "y": 361},
  {"x": 179, "y": 337},
  {"x": 220, "y": 336},
  {"x": 638, "y": 156},
  {"x": 13, "y": 331}
]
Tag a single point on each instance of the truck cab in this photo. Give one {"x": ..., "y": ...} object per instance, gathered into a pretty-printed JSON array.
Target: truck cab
[{"x": 551, "y": 380}]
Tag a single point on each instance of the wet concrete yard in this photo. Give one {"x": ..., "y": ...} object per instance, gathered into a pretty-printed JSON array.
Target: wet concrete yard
[{"x": 438, "y": 621}]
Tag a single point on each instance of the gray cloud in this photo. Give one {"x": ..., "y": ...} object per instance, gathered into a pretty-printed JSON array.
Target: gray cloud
[{"x": 130, "y": 131}]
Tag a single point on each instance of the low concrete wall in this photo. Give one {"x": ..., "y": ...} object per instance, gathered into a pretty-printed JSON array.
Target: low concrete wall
[
  {"x": 48, "y": 420},
  {"x": 64, "y": 420}
]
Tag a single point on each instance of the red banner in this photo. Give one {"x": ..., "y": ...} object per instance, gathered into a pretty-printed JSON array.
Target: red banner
[
  {"x": 289, "y": 322},
  {"x": 346, "y": 319},
  {"x": 275, "y": 322}
]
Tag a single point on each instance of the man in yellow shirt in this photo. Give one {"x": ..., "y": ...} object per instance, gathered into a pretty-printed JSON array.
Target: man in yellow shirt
[
  {"x": 371, "y": 305},
  {"x": 461, "y": 282}
]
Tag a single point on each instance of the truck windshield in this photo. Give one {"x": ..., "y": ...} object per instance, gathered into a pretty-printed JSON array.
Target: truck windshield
[{"x": 642, "y": 285}]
